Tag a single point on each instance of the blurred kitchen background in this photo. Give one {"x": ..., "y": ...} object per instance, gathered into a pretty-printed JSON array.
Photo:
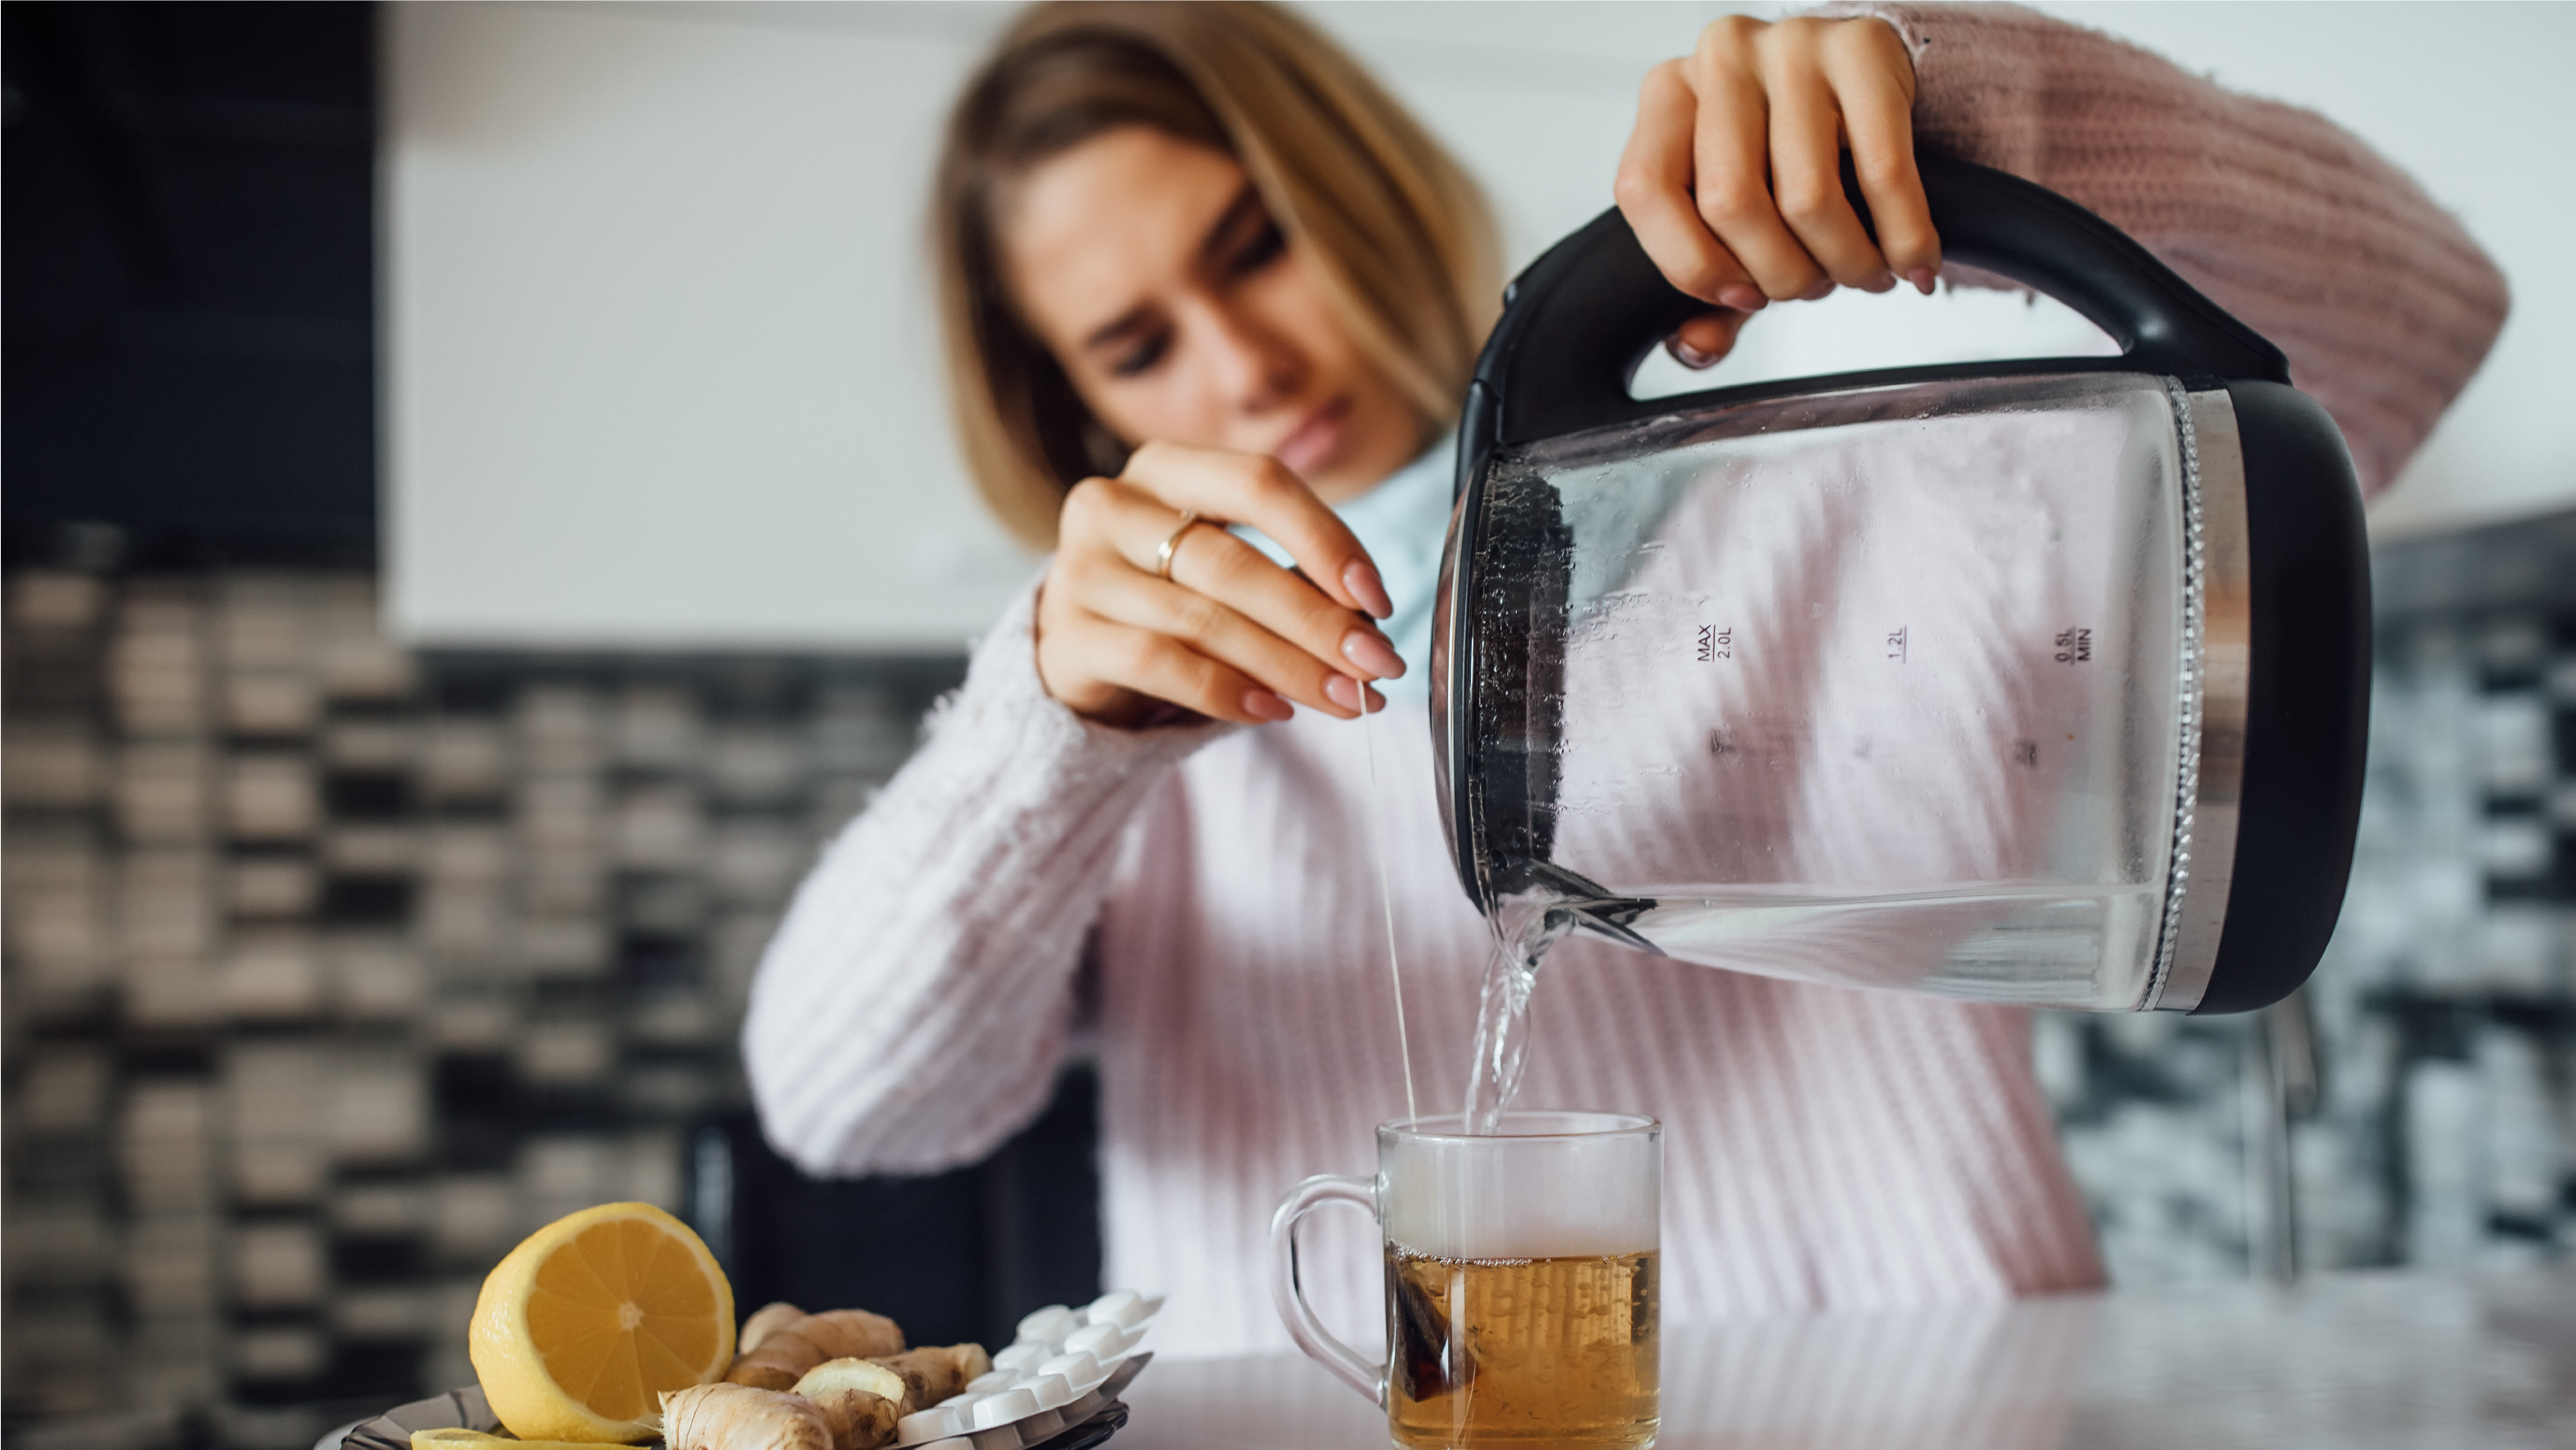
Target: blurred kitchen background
[{"x": 477, "y": 518}]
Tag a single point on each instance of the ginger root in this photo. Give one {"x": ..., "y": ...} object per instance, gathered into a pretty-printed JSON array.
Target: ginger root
[
  {"x": 764, "y": 1320},
  {"x": 934, "y": 1372},
  {"x": 972, "y": 1362},
  {"x": 860, "y": 1401},
  {"x": 738, "y": 1417},
  {"x": 789, "y": 1347}
]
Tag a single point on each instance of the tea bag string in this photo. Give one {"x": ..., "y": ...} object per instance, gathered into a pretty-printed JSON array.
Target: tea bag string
[{"x": 1386, "y": 896}]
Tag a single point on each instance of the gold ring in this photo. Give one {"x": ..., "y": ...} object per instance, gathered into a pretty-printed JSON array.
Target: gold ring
[{"x": 1163, "y": 555}]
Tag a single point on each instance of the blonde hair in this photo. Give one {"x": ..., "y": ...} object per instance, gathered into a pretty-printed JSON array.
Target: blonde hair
[{"x": 1396, "y": 232}]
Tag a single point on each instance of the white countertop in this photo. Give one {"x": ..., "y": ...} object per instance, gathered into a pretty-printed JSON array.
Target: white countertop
[{"x": 2349, "y": 1361}]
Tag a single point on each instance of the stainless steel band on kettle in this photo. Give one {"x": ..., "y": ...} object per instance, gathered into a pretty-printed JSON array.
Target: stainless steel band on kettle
[{"x": 2219, "y": 649}]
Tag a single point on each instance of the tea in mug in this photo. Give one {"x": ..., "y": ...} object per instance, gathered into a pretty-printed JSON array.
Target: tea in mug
[{"x": 1521, "y": 1352}]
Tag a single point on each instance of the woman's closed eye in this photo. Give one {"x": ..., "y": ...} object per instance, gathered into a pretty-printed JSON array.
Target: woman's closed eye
[
  {"x": 1266, "y": 244},
  {"x": 1141, "y": 355},
  {"x": 1244, "y": 243}
]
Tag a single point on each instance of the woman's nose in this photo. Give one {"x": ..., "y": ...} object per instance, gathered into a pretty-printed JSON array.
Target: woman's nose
[{"x": 1254, "y": 366}]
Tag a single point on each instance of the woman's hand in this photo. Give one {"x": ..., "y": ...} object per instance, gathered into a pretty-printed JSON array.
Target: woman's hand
[
  {"x": 1733, "y": 180},
  {"x": 1229, "y": 634}
]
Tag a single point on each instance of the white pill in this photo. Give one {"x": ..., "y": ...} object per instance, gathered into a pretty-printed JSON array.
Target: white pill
[
  {"x": 923, "y": 1426},
  {"x": 985, "y": 1384},
  {"x": 1077, "y": 1367},
  {"x": 1003, "y": 1408},
  {"x": 1020, "y": 1356},
  {"x": 1122, "y": 1307},
  {"x": 1051, "y": 1390},
  {"x": 1095, "y": 1339},
  {"x": 1111, "y": 1355},
  {"x": 1049, "y": 1325}
]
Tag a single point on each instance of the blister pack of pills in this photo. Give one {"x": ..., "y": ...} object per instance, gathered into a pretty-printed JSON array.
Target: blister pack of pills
[{"x": 1061, "y": 1370}]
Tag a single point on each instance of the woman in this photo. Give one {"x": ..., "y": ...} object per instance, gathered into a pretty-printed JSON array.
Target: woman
[{"x": 1196, "y": 267}]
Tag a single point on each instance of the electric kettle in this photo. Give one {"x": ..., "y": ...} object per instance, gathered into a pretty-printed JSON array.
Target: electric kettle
[{"x": 2040, "y": 682}]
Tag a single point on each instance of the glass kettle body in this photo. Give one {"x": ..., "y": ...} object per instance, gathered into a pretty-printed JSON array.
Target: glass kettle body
[{"x": 2038, "y": 683}]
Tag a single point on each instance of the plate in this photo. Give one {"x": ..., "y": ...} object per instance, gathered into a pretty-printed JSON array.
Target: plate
[{"x": 1102, "y": 1414}]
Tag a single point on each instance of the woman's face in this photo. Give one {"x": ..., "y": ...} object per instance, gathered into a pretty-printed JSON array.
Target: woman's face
[{"x": 1153, "y": 272}]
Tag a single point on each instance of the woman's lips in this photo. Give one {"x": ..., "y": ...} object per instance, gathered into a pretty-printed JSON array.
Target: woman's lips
[{"x": 1314, "y": 441}]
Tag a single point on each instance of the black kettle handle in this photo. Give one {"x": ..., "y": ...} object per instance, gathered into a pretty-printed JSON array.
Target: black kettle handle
[{"x": 1577, "y": 323}]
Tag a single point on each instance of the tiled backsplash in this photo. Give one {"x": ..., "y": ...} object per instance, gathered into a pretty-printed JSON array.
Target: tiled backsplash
[
  {"x": 330, "y": 971},
  {"x": 2428, "y": 1070}
]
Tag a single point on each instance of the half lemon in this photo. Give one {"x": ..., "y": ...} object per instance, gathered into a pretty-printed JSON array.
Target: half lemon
[{"x": 583, "y": 1327}]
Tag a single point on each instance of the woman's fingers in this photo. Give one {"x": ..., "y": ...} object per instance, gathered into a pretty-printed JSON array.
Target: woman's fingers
[
  {"x": 1654, "y": 188},
  {"x": 1214, "y": 567},
  {"x": 1140, "y": 605},
  {"x": 1732, "y": 160},
  {"x": 1807, "y": 177},
  {"x": 1873, "y": 81},
  {"x": 1211, "y": 627},
  {"x": 1704, "y": 340},
  {"x": 1222, "y": 568},
  {"x": 1129, "y": 663},
  {"x": 1734, "y": 168},
  {"x": 1247, "y": 488}
]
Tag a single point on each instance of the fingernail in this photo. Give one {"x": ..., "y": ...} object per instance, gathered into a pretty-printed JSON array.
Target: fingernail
[
  {"x": 1342, "y": 690},
  {"x": 1819, "y": 292},
  {"x": 1363, "y": 583},
  {"x": 1689, "y": 356},
  {"x": 1922, "y": 278},
  {"x": 1263, "y": 705},
  {"x": 1883, "y": 282},
  {"x": 1376, "y": 702},
  {"x": 1364, "y": 649},
  {"x": 1743, "y": 297}
]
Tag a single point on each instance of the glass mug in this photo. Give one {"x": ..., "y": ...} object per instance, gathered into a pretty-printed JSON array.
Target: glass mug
[{"x": 1522, "y": 1304}]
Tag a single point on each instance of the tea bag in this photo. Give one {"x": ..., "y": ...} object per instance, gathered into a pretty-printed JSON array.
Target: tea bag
[{"x": 1428, "y": 1362}]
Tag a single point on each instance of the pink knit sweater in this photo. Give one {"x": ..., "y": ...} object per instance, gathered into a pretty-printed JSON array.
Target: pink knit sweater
[{"x": 1203, "y": 898}]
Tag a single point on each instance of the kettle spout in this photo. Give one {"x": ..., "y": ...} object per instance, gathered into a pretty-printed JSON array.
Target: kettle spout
[{"x": 1591, "y": 905}]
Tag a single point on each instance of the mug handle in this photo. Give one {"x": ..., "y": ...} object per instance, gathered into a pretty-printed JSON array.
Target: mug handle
[{"x": 1309, "y": 1332}]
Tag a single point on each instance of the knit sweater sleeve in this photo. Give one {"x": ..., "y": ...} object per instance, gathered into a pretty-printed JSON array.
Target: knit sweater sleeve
[
  {"x": 912, "y": 1009},
  {"x": 2383, "y": 303}
]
